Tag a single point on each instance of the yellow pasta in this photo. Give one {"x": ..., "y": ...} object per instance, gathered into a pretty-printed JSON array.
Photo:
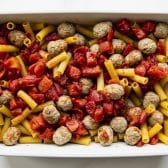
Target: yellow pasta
[
  {"x": 155, "y": 130},
  {"x": 91, "y": 42},
  {"x": 40, "y": 107},
  {"x": 128, "y": 89},
  {"x": 57, "y": 71},
  {"x": 115, "y": 138},
  {"x": 97, "y": 140},
  {"x": 161, "y": 58},
  {"x": 151, "y": 36},
  {"x": 23, "y": 67},
  {"x": 5, "y": 127},
  {"x": 71, "y": 40},
  {"x": 126, "y": 72},
  {"x": 93, "y": 132},
  {"x": 166, "y": 89},
  {"x": 163, "y": 81},
  {"x": 56, "y": 60},
  {"x": 84, "y": 31},
  {"x": 150, "y": 109},
  {"x": 137, "y": 89},
  {"x": 44, "y": 32},
  {"x": 1, "y": 119},
  {"x": 8, "y": 48},
  {"x": 140, "y": 79},
  {"x": 165, "y": 124},
  {"x": 27, "y": 99},
  {"x": 111, "y": 70},
  {"x": 21, "y": 117},
  {"x": 26, "y": 124},
  {"x": 10, "y": 25},
  {"x": 82, "y": 141},
  {"x": 27, "y": 42},
  {"x": 164, "y": 104},
  {"x": 120, "y": 136},
  {"x": 3, "y": 83},
  {"x": 100, "y": 82},
  {"x": 136, "y": 101},
  {"x": 23, "y": 130},
  {"x": 45, "y": 55},
  {"x": 123, "y": 37},
  {"x": 163, "y": 138},
  {"x": 166, "y": 46},
  {"x": 28, "y": 29},
  {"x": 145, "y": 133},
  {"x": 164, "y": 111},
  {"x": 5, "y": 110},
  {"x": 124, "y": 82},
  {"x": 29, "y": 140},
  {"x": 37, "y": 26},
  {"x": 159, "y": 90}
]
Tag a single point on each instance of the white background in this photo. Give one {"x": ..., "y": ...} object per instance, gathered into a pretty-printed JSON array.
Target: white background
[{"x": 151, "y": 6}]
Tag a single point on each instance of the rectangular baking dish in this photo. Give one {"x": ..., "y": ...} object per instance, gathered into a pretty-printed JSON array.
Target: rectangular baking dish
[{"x": 73, "y": 150}]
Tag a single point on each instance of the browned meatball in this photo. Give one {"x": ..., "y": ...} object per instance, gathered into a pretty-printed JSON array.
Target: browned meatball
[
  {"x": 66, "y": 30},
  {"x": 86, "y": 85},
  {"x": 161, "y": 30},
  {"x": 119, "y": 124},
  {"x": 117, "y": 59},
  {"x": 16, "y": 37},
  {"x": 90, "y": 123},
  {"x": 56, "y": 47},
  {"x": 118, "y": 45},
  {"x": 62, "y": 136},
  {"x": 132, "y": 135},
  {"x": 64, "y": 103},
  {"x": 11, "y": 136},
  {"x": 105, "y": 135},
  {"x": 156, "y": 117},
  {"x": 51, "y": 114},
  {"x": 5, "y": 97},
  {"x": 114, "y": 91}
]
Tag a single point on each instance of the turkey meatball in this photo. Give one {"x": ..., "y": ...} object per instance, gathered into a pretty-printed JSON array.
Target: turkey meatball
[
  {"x": 151, "y": 98},
  {"x": 161, "y": 30},
  {"x": 16, "y": 37},
  {"x": 114, "y": 91},
  {"x": 147, "y": 46},
  {"x": 156, "y": 117},
  {"x": 132, "y": 135},
  {"x": 90, "y": 123},
  {"x": 118, "y": 45},
  {"x": 117, "y": 59},
  {"x": 64, "y": 103},
  {"x": 51, "y": 114},
  {"x": 86, "y": 85},
  {"x": 11, "y": 136},
  {"x": 5, "y": 97},
  {"x": 101, "y": 29},
  {"x": 133, "y": 57},
  {"x": 119, "y": 124},
  {"x": 56, "y": 47},
  {"x": 66, "y": 30},
  {"x": 62, "y": 136},
  {"x": 105, "y": 135},
  {"x": 94, "y": 48},
  {"x": 164, "y": 66}
]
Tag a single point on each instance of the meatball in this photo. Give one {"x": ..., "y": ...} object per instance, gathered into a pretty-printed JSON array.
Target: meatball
[
  {"x": 51, "y": 114},
  {"x": 11, "y": 136},
  {"x": 62, "y": 136},
  {"x": 156, "y": 117},
  {"x": 16, "y": 37},
  {"x": 80, "y": 39},
  {"x": 114, "y": 91},
  {"x": 101, "y": 29},
  {"x": 151, "y": 98},
  {"x": 119, "y": 124},
  {"x": 147, "y": 46},
  {"x": 118, "y": 45},
  {"x": 66, "y": 30},
  {"x": 64, "y": 103},
  {"x": 86, "y": 85},
  {"x": 5, "y": 97},
  {"x": 90, "y": 123},
  {"x": 164, "y": 66},
  {"x": 117, "y": 59},
  {"x": 132, "y": 135},
  {"x": 94, "y": 48},
  {"x": 161, "y": 30},
  {"x": 105, "y": 135},
  {"x": 56, "y": 47},
  {"x": 133, "y": 57}
]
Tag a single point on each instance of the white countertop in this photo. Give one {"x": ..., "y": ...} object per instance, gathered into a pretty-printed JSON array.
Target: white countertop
[{"x": 158, "y": 6}]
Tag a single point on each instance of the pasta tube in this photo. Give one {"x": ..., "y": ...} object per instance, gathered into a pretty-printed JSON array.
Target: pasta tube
[
  {"x": 161, "y": 58},
  {"x": 136, "y": 101},
  {"x": 150, "y": 109},
  {"x": 93, "y": 132},
  {"x": 71, "y": 40},
  {"x": 123, "y": 37},
  {"x": 10, "y": 25},
  {"x": 24, "y": 96},
  {"x": 166, "y": 45},
  {"x": 164, "y": 111},
  {"x": 159, "y": 90},
  {"x": 28, "y": 29},
  {"x": 8, "y": 48},
  {"x": 29, "y": 140},
  {"x": 145, "y": 134},
  {"x": 91, "y": 42},
  {"x": 126, "y": 72},
  {"x": 155, "y": 130},
  {"x": 56, "y": 60},
  {"x": 163, "y": 81},
  {"x": 84, "y": 31},
  {"x": 3, "y": 83},
  {"x": 124, "y": 82},
  {"x": 37, "y": 26},
  {"x": 4, "y": 110},
  {"x": 23, "y": 67},
  {"x": 166, "y": 127},
  {"x": 111, "y": 70},
  {"x": 1, "y": 119},
  {"x": 21, "y": 117},
  {"x": 45, "y": 55},
  {"x": 163, "y": 138},
  {"x": 140, "y": 79},
  {"x": 164, "y": 104},
  {"x": 100, "y": 82},
  {"x": 23, "y": 130},
  {"x": 27, "y": 42},
  {"x": 82, "y": 141},
  {"x": 137, "y": 89},
  {"x": 44, "y": 32}
]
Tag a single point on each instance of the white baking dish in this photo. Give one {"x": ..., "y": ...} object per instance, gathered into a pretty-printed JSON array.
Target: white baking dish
[{"x": 73, "y": 150}]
